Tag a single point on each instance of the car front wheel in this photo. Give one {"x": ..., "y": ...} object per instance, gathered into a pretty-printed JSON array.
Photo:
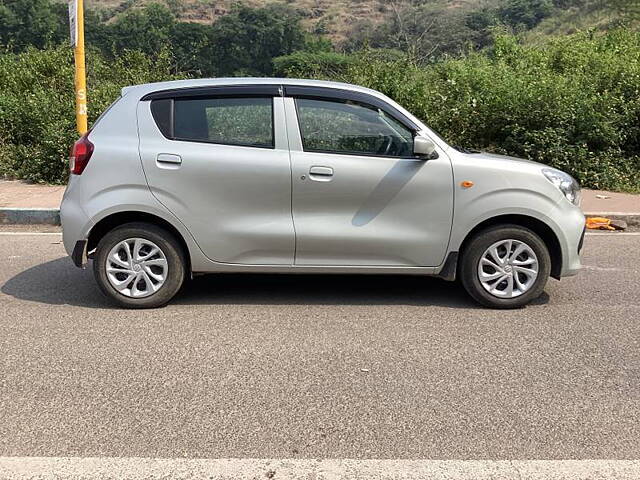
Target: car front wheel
[
  {"x": 505, "y": 266},
  {"x": 139, "y": 265}
]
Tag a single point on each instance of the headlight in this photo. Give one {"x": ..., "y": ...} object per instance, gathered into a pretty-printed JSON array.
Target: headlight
[{"x": 565, "y": 182}]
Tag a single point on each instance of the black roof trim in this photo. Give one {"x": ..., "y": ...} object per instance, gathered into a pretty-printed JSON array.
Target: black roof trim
[
  {"x": 217, "y": 91},
  {"x": 344, "y": 94}
]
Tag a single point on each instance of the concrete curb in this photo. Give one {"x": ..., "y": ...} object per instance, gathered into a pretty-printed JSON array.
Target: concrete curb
[
  {"x": 29, "y": 216},
  {"x": 632, "y": 219},
  {"x": 51, "y": 216}
]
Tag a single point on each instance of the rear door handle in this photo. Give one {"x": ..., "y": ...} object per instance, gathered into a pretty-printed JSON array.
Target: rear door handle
[
  {"x": 169, "y": 158},
  {"x": 321, "y": 174}
]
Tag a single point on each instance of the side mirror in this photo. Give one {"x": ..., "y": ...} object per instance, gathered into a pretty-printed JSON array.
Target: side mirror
[{"x": 424, "y": 148}]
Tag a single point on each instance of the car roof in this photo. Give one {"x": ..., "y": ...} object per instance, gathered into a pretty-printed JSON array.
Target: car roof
[
  {"x": 136, "y": 92},
  {"x": 144, "y": 89}
]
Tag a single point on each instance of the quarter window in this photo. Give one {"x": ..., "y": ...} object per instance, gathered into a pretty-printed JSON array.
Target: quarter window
[
  {"x": 230, "y": 121},
  {"x": 351, "y": 128}
]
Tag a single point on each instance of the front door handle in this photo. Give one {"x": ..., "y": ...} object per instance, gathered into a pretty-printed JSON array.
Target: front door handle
[
  {"x": 169, "y": 158},
  {"x": 321, "y": 174}
]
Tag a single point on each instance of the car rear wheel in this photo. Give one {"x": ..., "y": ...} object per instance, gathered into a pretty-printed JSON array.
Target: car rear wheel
[
  {"x": 139, "y": 265},
  {"x": 505, "y": 266}
]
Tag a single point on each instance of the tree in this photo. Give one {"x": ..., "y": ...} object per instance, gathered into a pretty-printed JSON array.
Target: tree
[
  {"x": 515, "y": 14},
  {"x": 38, "y": 23},
  {"x": 247, "y": 39},
  {"x": 423, "y": 32},
  {"x": 527, "y": 13},
  {"x": 629, "y": 8},
  {"x": 482, "y": 22},
  {"x": 147, "y": 30},
  {"x": 193, "y": 48}
]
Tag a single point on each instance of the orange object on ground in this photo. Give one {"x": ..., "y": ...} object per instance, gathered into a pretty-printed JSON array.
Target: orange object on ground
[{"x": 599, "y": 223}]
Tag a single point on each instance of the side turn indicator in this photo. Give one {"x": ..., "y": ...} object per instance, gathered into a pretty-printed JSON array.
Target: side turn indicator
[{"x": 466, "y": 184}]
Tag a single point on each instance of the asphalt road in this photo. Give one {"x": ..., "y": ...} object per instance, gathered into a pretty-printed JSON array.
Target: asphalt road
[{"x": 311, "y": 366}]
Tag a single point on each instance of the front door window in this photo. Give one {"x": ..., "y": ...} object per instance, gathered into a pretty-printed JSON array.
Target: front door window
[{"x": 354, "y": 128}]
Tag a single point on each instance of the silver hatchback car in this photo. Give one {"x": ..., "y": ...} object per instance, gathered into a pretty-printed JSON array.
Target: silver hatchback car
[{"x": 300, "y": 176}]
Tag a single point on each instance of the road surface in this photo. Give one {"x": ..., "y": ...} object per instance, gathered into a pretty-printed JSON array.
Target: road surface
[{"x": 308, "y": 367}]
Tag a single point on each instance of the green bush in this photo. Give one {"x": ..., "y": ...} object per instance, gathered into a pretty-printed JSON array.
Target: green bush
[
  {"x": 314, "y": 64},
  {"x": 573, "y": 103},
  {"x": 37, "y": 119},
  {"x": 328, "y": 64}
]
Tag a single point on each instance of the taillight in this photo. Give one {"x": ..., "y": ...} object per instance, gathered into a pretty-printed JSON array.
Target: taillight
[{"x": 80, "y": 155}]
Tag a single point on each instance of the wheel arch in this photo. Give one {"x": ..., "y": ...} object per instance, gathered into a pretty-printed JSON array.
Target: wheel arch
[
  {"x": 108, "y": 223},
  {"x": 544, "y": 231}
]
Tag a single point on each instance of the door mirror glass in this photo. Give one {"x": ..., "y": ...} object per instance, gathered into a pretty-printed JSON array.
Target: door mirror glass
[{"x": 424, "y": 148}]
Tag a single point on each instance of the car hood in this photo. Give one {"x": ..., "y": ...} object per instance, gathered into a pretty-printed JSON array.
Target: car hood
[
  {"x": 480, "y": 156},
  {"x": 495, "y": 156}
]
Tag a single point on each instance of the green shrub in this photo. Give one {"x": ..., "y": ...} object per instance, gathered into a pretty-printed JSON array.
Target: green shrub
[
  {"x": 37, "y": 119},
  {"x": 573, "y": 103},
  {"x": 314, "y": 64}
]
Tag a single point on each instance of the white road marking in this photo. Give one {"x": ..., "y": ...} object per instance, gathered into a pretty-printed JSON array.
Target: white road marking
[
  {"x": 617, "y": 234},
  {"x": 612, "y": 214},
  {"x": 13, "y": 234},
  {"x": 44, "y": 468},
  {"x": 602, "y": 269}
]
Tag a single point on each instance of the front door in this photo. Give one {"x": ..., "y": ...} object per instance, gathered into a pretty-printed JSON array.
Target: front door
[
  {"x": 220, "y": 163},
  {"x": 360, "y": 197}
]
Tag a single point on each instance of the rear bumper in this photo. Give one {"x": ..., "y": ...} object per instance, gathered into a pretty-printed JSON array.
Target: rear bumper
[
  {"x": 75, "y": 224},
  {"x": 79, "y": 254}
]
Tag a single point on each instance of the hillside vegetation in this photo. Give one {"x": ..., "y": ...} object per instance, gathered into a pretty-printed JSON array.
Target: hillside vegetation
[
  {"x": 501, "y": 75},
  {"x": 334, "y": 18},
  {"x": 340, "y": 20}
]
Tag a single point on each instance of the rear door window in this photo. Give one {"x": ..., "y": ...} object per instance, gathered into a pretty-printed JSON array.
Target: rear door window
[{"x": 223, "y": 120}]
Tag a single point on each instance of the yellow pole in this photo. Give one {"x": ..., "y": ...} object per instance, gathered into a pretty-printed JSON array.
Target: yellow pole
[{"x": 81, "y": 73}]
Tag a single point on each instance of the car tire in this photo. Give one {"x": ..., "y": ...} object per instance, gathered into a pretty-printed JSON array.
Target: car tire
[
  {"x": 513, "y": 274},
  {"x": 130, "y": 271}
]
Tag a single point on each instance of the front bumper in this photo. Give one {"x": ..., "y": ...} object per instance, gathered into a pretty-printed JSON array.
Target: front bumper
[
  {"x": 571, "y": 224},
  {"x": 581, "y": 243}
]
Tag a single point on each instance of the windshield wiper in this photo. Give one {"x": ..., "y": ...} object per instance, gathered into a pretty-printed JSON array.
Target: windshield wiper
[{"x": 465, "y": 150}]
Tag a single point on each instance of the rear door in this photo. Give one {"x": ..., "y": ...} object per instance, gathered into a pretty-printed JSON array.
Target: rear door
[
  {"x": 218, "y": 159},
  {"x": 360, "y": 196}
]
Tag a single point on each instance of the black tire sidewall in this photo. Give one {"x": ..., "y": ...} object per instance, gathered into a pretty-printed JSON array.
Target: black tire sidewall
[
  {"x": 476, "y": 248},
  {"x": 165, "y": 241}
]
